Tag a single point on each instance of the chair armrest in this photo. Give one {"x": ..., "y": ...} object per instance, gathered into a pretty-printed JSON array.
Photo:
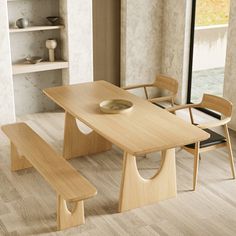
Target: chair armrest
[
  {"x": 180, "y": 107},
  {"x": 160, "y": 99},
  {"x": 214, "y": 123},
  {"x": 137, "y": 86}
]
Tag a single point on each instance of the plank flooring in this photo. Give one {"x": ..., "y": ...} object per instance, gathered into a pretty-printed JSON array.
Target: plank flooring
[{"x": 28, "y": 204}]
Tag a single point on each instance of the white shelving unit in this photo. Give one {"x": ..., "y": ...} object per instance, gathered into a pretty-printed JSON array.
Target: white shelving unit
[
  {"x": 23, "y": 68},
  {"x": 29, "y": 80}
]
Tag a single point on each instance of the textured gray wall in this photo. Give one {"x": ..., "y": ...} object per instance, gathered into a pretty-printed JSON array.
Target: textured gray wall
[
  {"x": 155, "y": 39},
  {"x": 176, "y": 42},
  {"x": 141, "y": 40},
  {"x": 230, "y": 68},
  {"x": 75, "y": 41},
  {"x": 7, "y": 112}
]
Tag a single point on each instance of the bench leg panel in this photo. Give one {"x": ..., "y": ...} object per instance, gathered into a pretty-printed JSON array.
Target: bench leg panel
[
  {"x": 76, "y": 143},
  {"x": 67, "y": 219},
  {"x": 137, "y": 191},
  {"x": 18, "y": 162}
]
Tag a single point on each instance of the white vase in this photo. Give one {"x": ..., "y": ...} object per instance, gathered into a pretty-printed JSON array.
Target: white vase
[{"x": 51, "y": 44}]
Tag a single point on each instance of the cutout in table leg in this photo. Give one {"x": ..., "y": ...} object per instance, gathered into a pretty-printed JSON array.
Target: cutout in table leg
[
  {"x": 18, "y": 162},
  {"x": 76, "y": 143},
  {"x": 137, "y": 191},
  {"x": 67, "y": 219}
]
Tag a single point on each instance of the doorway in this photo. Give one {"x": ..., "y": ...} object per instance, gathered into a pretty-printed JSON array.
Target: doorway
[
  {"x": 208, "y": 48},
  {"x": 106, "y": 40}
]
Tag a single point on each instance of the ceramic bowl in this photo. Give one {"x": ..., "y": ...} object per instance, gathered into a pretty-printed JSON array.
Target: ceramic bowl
[
  {"x": 115, "y": 106},
  {"x": 54, "y": 20},
  {"x": 33, "y": 60}
]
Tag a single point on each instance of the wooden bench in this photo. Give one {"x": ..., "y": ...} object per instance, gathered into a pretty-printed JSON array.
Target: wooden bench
[{"x": 29, "y": 149}]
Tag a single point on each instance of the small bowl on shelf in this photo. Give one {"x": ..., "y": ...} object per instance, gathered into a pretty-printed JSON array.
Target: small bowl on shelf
[
  {"x": 54, "y": 20},
  {"x": 33, "y": 60}
]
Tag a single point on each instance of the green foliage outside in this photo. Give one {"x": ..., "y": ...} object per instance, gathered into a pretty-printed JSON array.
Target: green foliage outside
[{"x": 212, "y": 12}]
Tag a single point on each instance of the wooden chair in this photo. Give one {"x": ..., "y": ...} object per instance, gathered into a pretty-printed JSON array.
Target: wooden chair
[
  {"x": 162, "y": 83},
  {"x": 222, "y": 106}
]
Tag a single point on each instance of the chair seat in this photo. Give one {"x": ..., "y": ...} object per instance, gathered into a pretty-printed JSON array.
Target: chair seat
[{"x": 214, "y": 139}]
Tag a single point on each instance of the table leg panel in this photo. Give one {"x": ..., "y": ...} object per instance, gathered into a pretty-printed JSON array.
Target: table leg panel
[
  {"x": 76, "y": 143},
  {"x": 137, "y": 191}
]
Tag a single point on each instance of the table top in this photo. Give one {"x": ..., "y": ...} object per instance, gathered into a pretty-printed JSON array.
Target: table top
[{"x": 147, "y": 128}]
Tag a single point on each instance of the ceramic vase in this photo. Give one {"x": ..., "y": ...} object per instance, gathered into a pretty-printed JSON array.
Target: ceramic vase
[
  {"x": 22, "y": 23},
  {"x": 51, "y": 44}
]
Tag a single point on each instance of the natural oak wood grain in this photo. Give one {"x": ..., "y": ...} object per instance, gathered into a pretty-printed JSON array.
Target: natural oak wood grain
[
  {"x": 63, "y": 178},
  {"x": 18, "y": 162},
  {"x": 196, "y": 163},
  {"x": 145, "y": 129},
  {"x": 76, "y": 143},
  {"x": 67, "y": 219},
  {"x": 222, "y": 106},
  {"x": 218, "y": 104},
  {"x": 211, "y": 102},
  {"x": 27, "y": 205},
  {"x": 137, "y": 191},
  {"x": 230, "y": 152},
  {"x": 162, "y": 82}
]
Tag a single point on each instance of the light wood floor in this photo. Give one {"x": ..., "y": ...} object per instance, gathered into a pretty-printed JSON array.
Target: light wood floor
[{"x": 28, "y": 204}]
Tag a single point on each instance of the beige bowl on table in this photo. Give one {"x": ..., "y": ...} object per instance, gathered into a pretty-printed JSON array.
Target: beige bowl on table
[{"x": 116, "y": 106}]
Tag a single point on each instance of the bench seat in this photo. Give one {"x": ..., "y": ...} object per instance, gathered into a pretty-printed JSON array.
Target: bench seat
[{"x": 62, "y": 177}]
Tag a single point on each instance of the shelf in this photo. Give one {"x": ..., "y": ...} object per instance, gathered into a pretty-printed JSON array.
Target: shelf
[
  {"x": 14, "y": 0},
  {"x": 36, "y": 28},
  {"x": 42, "y": 66}
]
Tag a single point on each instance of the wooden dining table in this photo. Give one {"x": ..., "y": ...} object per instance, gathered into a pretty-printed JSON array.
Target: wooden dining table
[{"x": 145, "y": 129}]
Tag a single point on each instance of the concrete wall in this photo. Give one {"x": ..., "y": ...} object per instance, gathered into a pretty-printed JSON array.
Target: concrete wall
[
  {"x": 230, "y": 67},
  {"x": 141, "y": 40},
  {"x": 29, "y": 97},
  {"x": 176, "y": 42},
  {"x": 210, "y": 47},
  {"x": 75, "y": 41},
  {"x": 155, "y": 39},
  {"x": 7, "y": 110}
]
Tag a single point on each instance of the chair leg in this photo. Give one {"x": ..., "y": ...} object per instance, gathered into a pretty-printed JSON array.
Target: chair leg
[
  {"x": 200, "y": 157},
  {"x": 231, "y": 157},
  {"x": 195, "y": 167},
  {"x": 191, "y": 115}
]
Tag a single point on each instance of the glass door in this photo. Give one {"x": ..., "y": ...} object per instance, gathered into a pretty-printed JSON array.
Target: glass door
[{"x": 208, "y": 48}]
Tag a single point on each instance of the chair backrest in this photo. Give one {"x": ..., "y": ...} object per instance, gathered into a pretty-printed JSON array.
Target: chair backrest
[
  {"x": 218, "y": 104},
  {"x": 166, "y": 83}
]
